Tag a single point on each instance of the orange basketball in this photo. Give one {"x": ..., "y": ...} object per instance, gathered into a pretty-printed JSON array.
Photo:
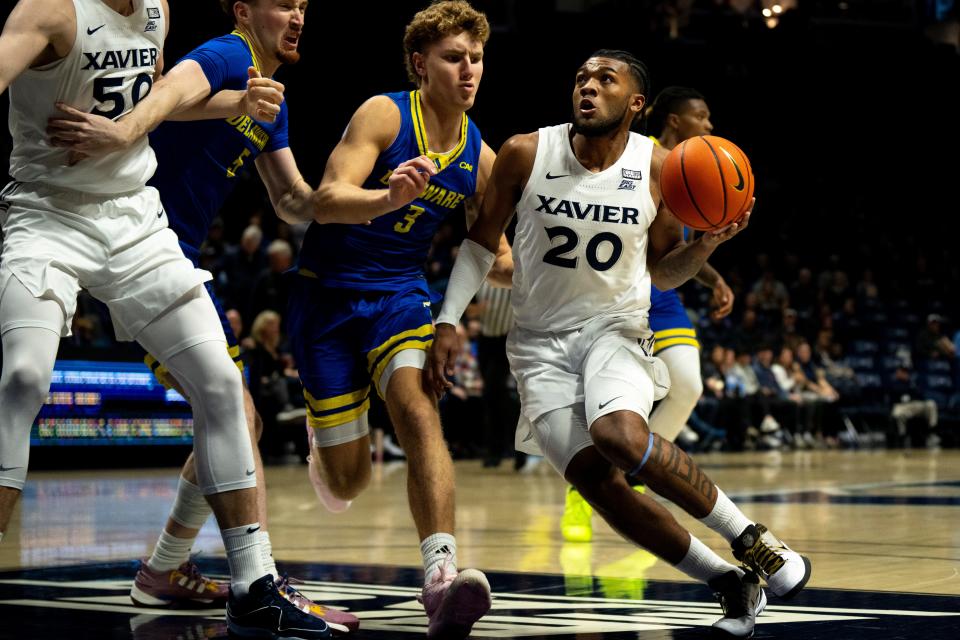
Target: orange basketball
[{"x": 707, "y": 182}]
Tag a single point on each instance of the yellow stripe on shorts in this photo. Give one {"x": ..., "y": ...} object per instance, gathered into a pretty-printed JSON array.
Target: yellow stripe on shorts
[
  {"x": 336, "y": 418},
  {"x": 660, "y": 345},
  {"x": 674, "y": 333},
  {"x": 379, "y": 358}
]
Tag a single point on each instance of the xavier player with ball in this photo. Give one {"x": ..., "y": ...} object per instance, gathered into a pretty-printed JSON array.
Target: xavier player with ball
[{"x": 586, "y": 250}]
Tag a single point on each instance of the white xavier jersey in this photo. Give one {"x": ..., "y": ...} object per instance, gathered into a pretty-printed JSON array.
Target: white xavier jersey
[
  {"x": 581, "y": 244},
  {"x": 109, "y": 69}
]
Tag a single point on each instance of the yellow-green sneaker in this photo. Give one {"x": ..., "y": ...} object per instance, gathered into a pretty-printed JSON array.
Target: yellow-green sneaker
[{"x": 575, "y": 524}]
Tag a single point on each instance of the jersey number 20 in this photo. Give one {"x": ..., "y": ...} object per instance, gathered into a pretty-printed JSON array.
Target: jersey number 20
[
  {"x": 570, "y": 240},
  {"x": 104, "y": 91}
]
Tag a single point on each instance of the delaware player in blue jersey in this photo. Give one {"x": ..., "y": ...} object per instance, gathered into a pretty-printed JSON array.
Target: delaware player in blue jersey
[
  {"x": 359, "y": 315},
  {"x": 198, "y": 165},
  {"x": 677, "y": 113}
]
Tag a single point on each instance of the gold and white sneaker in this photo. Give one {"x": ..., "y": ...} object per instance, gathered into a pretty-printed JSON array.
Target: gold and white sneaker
[{"x": 785, "y": 570}]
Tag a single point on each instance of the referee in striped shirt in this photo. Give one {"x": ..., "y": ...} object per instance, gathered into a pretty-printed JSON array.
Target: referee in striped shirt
[{"x": 503, "y": 408}]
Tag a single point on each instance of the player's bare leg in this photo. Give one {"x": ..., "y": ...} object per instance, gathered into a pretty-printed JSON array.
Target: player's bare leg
[
  {"x": 648, "y": 524},
  {"x": 344, "y": 471},
  {"x": 636, "y": 517},
  {"x": 430, "y": 477},
  {"x": 454, "y": 600},
  {"x": 622, "y": 437}
]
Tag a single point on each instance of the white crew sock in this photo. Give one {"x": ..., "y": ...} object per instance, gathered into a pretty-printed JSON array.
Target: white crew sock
[
  {"x": 243, "y": 556},
  {"x": 702, "y": 564},
  {"x": 726, "y": 518},
  {"x": 170, "y": 552},
  {"x": 266, "y": 553},
  {"x": 437, "y": 549}
]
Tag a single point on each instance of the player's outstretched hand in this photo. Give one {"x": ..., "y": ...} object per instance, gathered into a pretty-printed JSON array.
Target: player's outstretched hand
[
  {"x": 727, "y": 232},
  {"x": 86, "y": 134},
  {"x": 263, "y": 97},
  {"x": 440, "y": 358},
  {"x": 409, "y": 180},
  {"x": 722, "y": 300}
]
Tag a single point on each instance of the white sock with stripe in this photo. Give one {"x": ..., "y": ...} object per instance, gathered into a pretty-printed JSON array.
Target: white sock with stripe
[
  {"x": 170, "y": 552},
  {"x": 437, "y": 549},
  {"x": 244, "y": 557}
]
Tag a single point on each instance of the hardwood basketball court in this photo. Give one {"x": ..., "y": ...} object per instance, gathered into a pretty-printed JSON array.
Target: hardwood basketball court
[{"x": 881, "y": 528}]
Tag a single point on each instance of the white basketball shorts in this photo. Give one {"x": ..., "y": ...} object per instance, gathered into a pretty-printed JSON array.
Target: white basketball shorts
[
  {"x": 553, "y": 371},
  {"x": 117, "y": 247}
]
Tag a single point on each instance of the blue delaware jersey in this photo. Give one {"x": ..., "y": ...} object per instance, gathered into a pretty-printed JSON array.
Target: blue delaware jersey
[
  {"x": 389, "y": 253},
  {"x": 198, "y": 162}
]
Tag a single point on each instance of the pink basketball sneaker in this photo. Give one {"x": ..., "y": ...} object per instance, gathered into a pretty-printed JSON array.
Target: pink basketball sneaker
[{"x": 455, "y": 601}]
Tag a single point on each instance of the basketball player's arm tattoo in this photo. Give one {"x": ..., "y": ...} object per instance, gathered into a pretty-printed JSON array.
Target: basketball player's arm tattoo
[
  {"x": 671, "y": 261},
  {"x": 673, "y": 460}
]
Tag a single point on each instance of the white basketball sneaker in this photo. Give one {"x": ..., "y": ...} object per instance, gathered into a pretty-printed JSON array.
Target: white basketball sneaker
[{"x": 785, "y": 570}]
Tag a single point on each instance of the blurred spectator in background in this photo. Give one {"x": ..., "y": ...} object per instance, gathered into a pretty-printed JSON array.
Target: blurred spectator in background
[
  {"x": 748, "y": 335},
  {"x": 270, "y": 382},
  {"x": 241, "y": 268},
  {"x": 499, "y": 390},
  {"x": 829, "y": 357},
  {"x": 790, "y": 335},
  {"x": 792, "y": 380},
  {"x": 804, "y": 295},
  {"x": 271, "y": 289},
  {"x": 772, "y": 296},
  {"x": 236, "y": 325},
  {"x": 931, "y": 343},
  {"x": 462, "y": 410},
  {"x": 908, "y": 402}
]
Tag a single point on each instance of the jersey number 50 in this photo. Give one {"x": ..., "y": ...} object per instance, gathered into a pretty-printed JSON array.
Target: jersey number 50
[
  {"x": 570, "y": 240},
  {"x": 104, "y": 91}
]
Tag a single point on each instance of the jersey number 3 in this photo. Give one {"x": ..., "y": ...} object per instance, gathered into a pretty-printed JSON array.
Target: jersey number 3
[
  {"x": 104, "y": 91},
  {"x": 570, "y": 240},
  {"x": 404, "y": 225}
]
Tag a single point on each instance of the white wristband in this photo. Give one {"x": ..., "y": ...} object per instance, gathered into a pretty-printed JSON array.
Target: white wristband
[{"x": 472, "y": 265}]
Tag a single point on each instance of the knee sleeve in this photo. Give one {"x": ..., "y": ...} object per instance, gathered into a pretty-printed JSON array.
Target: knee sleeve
[
  {"x": 31, "y": 336},
  {"x": 28, "y": 357},
  {"x": 189, "y": 340},
  {"x": 221, "y": 442},
  {"x": 686, "y": 387}
]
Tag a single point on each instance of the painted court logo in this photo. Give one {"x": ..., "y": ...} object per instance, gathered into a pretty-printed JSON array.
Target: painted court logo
[{"x": 388, "y": 611}]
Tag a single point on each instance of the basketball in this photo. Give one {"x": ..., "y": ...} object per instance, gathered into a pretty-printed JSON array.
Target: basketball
[{"x": 707, "y": 182}]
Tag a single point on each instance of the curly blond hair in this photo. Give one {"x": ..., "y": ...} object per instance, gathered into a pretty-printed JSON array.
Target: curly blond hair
[{"x": 436, "y": 22}]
